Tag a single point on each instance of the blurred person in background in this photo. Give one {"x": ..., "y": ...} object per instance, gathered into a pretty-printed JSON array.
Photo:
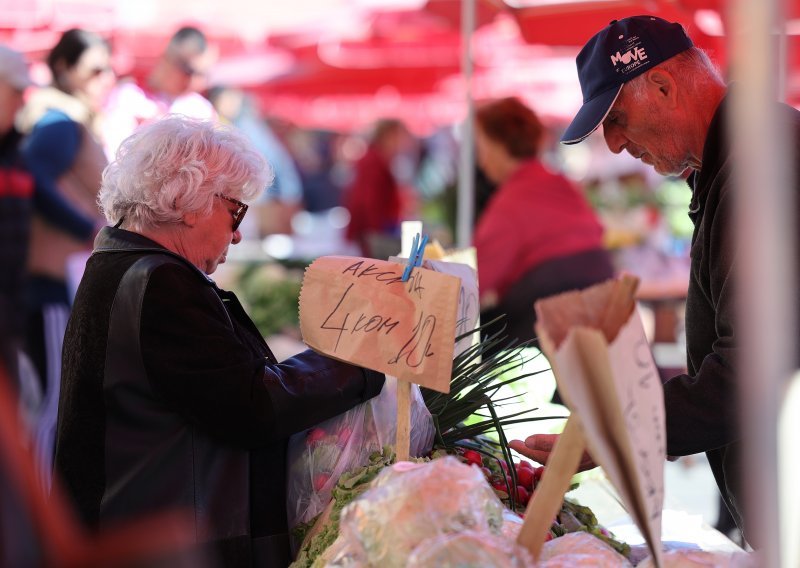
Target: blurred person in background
[
  {"x": 374, "y": 197},
  {"x": 171, "y": 397},
  {"x": 172, "y": 87},
  {"x": 63, "y": 154},
  {"x": 284, "y": 197},
  {"x": 537, "y": 235},
  {"x": 16, "y": 206},
  {"x": 321, "y": 173}
]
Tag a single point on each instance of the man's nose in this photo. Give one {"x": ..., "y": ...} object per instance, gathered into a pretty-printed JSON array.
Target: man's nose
[
  {"x": 237, "y": 237},
  {"x": 614, "y": 139}
]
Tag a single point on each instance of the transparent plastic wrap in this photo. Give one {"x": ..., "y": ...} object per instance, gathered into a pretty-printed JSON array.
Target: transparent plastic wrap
[
  {"x": 579, "y": 549},
  {"x": 512, "y": 524},
  {"x": 469, "y": 549},
  {"x": 319, "y": 456},
  {"x": 409, "y": 503},
  {"x": 340, "y": 555}
]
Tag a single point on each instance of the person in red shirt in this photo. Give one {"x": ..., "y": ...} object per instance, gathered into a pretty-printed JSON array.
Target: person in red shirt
[
  {"x": 537, "y": 236},
  {"x": 373, "y": 198}
]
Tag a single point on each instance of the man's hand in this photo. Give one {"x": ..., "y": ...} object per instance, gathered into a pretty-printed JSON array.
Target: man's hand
[{"x": 539, "y": 446}]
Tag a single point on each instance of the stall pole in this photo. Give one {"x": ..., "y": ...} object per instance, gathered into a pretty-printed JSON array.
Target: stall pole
[
  {"x": 466, "y": 162},
  {"x": 766, "y": 268}
]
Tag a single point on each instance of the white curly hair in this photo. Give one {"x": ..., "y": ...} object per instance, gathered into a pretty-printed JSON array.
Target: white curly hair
[{"x": 175, "y": 166}]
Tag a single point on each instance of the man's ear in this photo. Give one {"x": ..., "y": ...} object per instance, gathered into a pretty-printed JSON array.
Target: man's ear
[{"x": 665, "y": 87}]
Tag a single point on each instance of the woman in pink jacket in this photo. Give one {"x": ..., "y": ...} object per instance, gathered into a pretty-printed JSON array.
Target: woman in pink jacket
[{"x": 537, "y": 235}]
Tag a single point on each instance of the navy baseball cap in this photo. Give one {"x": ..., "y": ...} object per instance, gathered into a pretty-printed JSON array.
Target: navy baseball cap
[{"x": 621, "y": 51}]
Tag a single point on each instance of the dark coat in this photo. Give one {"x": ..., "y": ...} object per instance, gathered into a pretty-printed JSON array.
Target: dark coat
[
  {"x": 171, "y": 399},
  {"x": 702, "y": 406}
]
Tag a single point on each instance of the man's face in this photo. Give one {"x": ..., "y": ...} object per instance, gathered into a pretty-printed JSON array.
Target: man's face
[
  {"x": 647, "y": 131},
  {"x": 185, "y": 72}
]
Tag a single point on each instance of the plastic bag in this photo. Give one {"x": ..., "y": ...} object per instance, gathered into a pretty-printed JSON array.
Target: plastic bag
[
  {"x": 319, "y": 456},
  {"x": 469, "y": 549},
  {"x": 409, "y": 503}
]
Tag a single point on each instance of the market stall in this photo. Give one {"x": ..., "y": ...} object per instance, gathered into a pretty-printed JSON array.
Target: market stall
[{"x": 462, "y": 497}]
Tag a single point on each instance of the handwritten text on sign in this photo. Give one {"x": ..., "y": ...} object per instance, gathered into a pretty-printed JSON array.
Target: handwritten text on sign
[
  {"x": 641, "y": 396},
  {"x": 358, "y": 310},
  {"x": 468, "y": 305}
]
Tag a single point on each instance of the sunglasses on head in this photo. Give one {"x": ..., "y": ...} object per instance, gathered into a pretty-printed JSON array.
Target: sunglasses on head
[{"x": 238, "y": 213}]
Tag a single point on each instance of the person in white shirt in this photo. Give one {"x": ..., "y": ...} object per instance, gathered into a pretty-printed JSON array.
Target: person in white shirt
[{"x": 172, "y": 87}]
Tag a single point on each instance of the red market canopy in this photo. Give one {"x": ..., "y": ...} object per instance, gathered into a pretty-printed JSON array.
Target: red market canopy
[{"x": 344, "y": 62}]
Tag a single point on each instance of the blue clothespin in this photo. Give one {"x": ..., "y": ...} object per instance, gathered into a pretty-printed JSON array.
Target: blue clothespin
[{"x": 415, "y": 256}]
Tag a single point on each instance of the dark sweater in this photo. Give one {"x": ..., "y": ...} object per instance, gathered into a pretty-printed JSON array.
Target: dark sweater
[
  {"x": 16, "y": 195},
  {"x": 702, "y": 406},
  {"x": 212, "y": 403}
]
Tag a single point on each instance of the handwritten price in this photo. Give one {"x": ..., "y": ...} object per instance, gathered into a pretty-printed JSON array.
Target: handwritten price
[
  {"x": 359, "y": 310},
  {"x": 364, "y": 323}
]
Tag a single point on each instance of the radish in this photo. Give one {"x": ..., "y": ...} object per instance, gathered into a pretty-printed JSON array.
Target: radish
[
  {"x": 320, "y": 480},
  {"x": 315, "y": 435},
  {"x": 525, "y": 477},
  {"x": 473, "y": 457}
]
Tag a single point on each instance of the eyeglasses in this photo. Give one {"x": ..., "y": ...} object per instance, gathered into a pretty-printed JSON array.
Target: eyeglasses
[{"x": 238, "y": 213}]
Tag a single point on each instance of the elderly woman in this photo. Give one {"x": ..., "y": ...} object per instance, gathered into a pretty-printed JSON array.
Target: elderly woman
[
  {"x": 170, "y": 397},
  {"x": 538, "y": 235}
]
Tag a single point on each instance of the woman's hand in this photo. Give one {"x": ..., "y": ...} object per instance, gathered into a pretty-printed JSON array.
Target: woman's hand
[{"x": 539, "y": 446}]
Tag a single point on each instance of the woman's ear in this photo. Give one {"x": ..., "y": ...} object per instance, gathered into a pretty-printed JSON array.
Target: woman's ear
[{"x": 191, "y": 219}]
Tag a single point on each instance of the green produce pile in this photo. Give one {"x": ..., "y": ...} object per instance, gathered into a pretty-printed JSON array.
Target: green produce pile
[
  {"x": 571, "y": 518},
  {"x": 469, "y": 426},
  {"x": 574, "y": 517}
]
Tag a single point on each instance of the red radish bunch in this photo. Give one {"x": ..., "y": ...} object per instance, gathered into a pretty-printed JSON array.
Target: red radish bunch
[
  {"x": 528, "y": 476},
  {"x": 497, "y": 474}
]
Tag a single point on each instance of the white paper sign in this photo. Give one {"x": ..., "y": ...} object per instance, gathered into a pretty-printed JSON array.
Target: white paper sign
[{"x": 606, "y": 374}]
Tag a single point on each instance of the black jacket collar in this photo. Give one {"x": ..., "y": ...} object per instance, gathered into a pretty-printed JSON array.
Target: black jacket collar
[
  {"x": 715, "y": 153},
  {"x": 114, "y": 240}
]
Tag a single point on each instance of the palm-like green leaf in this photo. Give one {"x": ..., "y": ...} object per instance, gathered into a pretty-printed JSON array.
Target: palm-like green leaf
[{"x": 464, "y": 416}]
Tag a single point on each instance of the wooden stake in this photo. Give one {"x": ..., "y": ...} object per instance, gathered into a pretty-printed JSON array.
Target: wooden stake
[
  {"x": 549, "y": 495},
  {"x": 403, "y": 439}
]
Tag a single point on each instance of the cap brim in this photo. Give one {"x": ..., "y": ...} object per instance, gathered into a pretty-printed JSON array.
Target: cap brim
[{"x": 590, "y": 116}]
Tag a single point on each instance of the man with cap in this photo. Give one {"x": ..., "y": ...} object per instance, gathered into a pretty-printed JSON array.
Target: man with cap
[{"x": 659, "y": 98}]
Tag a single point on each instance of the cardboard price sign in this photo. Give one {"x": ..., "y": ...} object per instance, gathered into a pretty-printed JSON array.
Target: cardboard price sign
[
  {"x": 602, "y": 362},
  {"x": 468, "y": 306},
  {"x": 358, "y": 310}
]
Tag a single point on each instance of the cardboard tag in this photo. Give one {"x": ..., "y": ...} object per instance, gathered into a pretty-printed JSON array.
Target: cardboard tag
[
  {"x": 468, "y": 310},
  {"x": 605, "y": 371},
  {"x": 358, "y": 310},
  {"x": 466, "y": 320},
  {"x": 468, "y": 303}
]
